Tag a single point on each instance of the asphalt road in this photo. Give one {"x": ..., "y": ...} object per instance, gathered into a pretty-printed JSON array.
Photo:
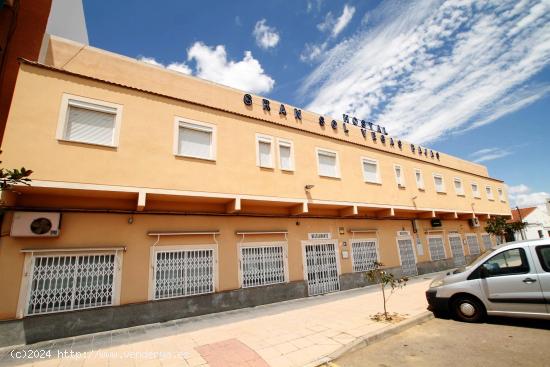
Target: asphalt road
[{"x": 441, "y": 342}]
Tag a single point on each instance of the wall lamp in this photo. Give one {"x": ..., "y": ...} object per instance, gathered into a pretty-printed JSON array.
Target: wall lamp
[{"x": 309, "y": 187}]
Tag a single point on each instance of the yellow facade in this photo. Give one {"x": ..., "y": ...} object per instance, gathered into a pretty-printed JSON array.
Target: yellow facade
[{"x": 115, "y": 196}]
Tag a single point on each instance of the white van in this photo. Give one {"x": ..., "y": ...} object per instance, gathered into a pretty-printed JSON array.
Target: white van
[{"x": 511, "y": 280}]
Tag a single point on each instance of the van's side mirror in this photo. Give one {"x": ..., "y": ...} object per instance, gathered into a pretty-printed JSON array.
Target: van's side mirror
[{"x": 483, "y": 272}]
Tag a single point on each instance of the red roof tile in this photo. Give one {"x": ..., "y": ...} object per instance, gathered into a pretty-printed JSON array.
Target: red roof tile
[{"x": 524, "y": 213}]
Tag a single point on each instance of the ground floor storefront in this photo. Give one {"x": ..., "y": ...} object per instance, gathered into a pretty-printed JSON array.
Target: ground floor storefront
[{"x": 103, "y": 271}]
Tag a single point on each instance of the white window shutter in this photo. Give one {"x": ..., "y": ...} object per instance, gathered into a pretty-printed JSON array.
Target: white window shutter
[
  {"x": 264, "y": 151},
  {"x": 327, "y": 164},
  {"x": 370, "y": 170},
  {"x": 195, "y": 142},
  {"x": 90, "y": 126},
  {"x": 285, "y": 156}
]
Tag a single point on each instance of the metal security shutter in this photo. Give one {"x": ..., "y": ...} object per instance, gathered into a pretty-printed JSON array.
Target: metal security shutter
[
  {"x": 327, "y": 164},
  {"x": 195, "y": 141},
  {"x": 63, "y": 283},
  {"x": 364, "y": 254},
  {"x": 437, "y": 248},
  {"x": 321, "y": 267},
  {"x": 486, "y": 239},
  {"x": 370, "y": 170},
  {"x": 457, "y": 250},
  {"x": 262, "y": 265},
  {"x": 406, "y": 254},
  {"x": 184, "y": 273},
  {"x": 473, "y": 244},
  {"x": 89, "y": 123}
]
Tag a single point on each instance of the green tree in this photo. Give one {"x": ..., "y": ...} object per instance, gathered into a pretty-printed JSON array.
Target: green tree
[
  {"x": 499, "y": 227},
  {"x": 384, "y": 278},
  {"x": 10, "y": 177}
]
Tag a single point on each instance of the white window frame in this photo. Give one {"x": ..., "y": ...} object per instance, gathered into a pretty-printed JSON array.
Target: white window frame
[
  {"x": 28, "y": 266},
  {"x": 489, "y": 194},
  {"x": 153, "y": 266},
  {"x": 372, "y": 161},
  {"x": 84, "y": 102},
  {"x": 443, "y": 188},
  {"x": 261, "y": 138},
  {"x": 355, "y": 240},
  {"x": 325, "y": 151},
  {"x": 476, "y": 194},
  {"x": 419, "y": 184},
  {"x": 441, "y": 237},
  {"x": 400, "y": 181},
  {"x": 283, "y": 244},
  {"x": 413, "y": 244},
  {"x": 199, "y": 126},
  {"x": 500, "y": 192},
  {"x": 287, "y": 143},
  {"x": 461, "y": 191}
]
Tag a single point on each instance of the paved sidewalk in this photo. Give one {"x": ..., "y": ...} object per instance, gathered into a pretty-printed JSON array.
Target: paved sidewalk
[{"x": 293, "y": 333}]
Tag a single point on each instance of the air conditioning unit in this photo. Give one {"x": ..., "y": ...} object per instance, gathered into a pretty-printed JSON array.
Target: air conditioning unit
[
  {"x": 473, "y": 222},
  {"x": 403, "y": 233},
  {"x": 35, "y": 224}
]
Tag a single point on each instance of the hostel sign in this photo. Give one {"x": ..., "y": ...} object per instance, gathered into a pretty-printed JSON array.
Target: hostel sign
[{"x": 375, "y": 131}]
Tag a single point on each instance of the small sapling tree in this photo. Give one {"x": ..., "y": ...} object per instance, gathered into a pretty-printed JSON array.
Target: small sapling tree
[{"x": 385, "y": 279}]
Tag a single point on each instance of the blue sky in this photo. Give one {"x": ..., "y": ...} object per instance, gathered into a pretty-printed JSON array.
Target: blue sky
[{"x": 468, "y": 78}]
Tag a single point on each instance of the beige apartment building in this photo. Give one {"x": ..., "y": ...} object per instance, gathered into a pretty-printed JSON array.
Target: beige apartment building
[{"x": 157, "y": 195}]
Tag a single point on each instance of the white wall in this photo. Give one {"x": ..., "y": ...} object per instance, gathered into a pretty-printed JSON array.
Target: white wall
[{"x": 67, "y": 20}]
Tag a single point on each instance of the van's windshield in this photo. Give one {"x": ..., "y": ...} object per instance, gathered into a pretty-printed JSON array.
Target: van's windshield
[{"x": 484, "y": 254}]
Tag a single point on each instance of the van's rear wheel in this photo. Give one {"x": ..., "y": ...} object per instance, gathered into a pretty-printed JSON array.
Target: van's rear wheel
[{"x": 468, "y": 309}]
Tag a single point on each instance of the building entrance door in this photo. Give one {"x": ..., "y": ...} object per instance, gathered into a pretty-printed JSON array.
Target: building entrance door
[
  {"x": 321, "y": 266},
  {"x": 407, "y": 256},
  {"x": 457, "y": 250}
]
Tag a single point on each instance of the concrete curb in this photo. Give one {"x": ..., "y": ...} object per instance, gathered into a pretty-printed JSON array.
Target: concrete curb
[{"x": 373, "y": 337}]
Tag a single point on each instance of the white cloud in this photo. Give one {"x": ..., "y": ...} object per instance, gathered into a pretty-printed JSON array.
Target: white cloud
[
  {"x": 150, "y": 60},
  {"x": 246, "y": 74},
  {"x": 314, "y": 5},
  {"x": 337, "y": 25},
  {"x": 313, "y": 52},
  {"x": 522, "y": 196},
  {"x": 266, "y": 36},
  {"x": 180, "y": 67},
  {"x": 425, "y": 69},
  {"x": 489, "y": 154}
]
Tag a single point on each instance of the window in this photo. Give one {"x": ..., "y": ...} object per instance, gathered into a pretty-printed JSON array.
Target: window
[
  {"x": 475, "y": 190},
  {"x": 399, "y": 178},
  {"x": 473, "y": 244},
  {"x": 286, "y": 155},
  {"x": 501, "y": 195},
  {"x": 71, "y": 282},
  {"x": 327, "y": 163},
  {"x": 85, "y": 120},
  {"x": 183, "y": 272},
  {"x": 263, "y": 264},
  {"x": 486, "y": 240},
  {"x": 439, "y": 183},
  {"x": 419, "y": 179},
  {"x": 543, "y": 252},
  {"x": 489, "y": 192},
  {"x": 437, "y": 249},
  {"x": 264, "y": 151},
  {"x": 541, "y": 233},
  {"x": 370, "y": 170},
  {"x": 195, "y": 139},
  {"x": 458, "y": 186},
  {"x": 364, "y": 252},
  {"x": 509, "y": 262}
]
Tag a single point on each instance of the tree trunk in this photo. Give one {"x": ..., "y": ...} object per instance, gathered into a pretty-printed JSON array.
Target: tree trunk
[{"x": 384, "y": 297}]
